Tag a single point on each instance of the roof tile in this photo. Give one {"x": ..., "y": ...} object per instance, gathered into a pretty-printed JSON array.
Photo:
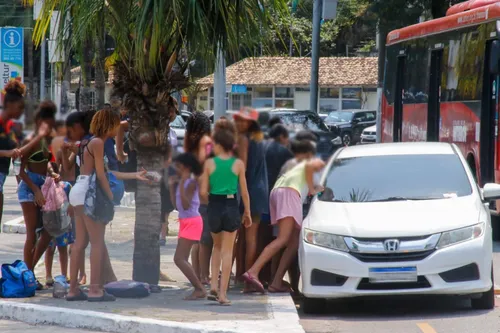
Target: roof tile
[{"x": 294, "y": 71}]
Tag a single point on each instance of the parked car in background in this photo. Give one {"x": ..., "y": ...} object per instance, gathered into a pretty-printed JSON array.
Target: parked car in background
[
  {"x": 410, "y": 219},
  {"x": 328, "y": 138},
  {"x": 210, "y": 115},
  {"x": 369, "y": 135},
  {"x": 351, "y": 123},
  {"x": 185, "y": 115},
  {"x": 179, "y": 127}
]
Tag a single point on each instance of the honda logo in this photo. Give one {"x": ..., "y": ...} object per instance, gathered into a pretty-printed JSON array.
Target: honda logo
[{"x": 391, "y": 245}]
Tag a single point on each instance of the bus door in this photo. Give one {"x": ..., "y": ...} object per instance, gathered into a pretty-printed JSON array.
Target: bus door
[
  {"x": 487, "y": 144},
  {"x": 397, "y": 122},
  {"x": 434, "y": 103}
]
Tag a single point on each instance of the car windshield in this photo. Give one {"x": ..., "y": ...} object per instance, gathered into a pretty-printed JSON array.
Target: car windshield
[
  {"x": 340, "y": 117},
  {"x": 178, "y": 123},
  {"x": 303, "y": 121},
  {"x": 396, "y": 178}
]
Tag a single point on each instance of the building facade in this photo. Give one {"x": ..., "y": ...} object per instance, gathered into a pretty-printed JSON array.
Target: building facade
[{"x": 279, "y": 82}]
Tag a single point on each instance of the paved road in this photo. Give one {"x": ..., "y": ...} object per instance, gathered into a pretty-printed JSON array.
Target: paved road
[
  {"x": 406, "y": 315},
  {"x": 15, "y": 327}
]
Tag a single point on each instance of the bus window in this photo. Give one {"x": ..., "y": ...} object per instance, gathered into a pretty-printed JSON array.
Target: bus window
[
  {"x": 398, "y": 100},
  {"x": 433, "y": 108}
]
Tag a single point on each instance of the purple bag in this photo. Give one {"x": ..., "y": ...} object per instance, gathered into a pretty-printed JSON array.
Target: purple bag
[{"x": 128, "y": 289}]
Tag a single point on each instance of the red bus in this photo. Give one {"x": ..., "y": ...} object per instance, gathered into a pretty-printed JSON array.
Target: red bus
[{"x": 441, "y": 84}]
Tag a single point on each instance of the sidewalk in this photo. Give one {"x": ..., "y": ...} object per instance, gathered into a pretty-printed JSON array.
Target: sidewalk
[
  {"x": 16, "y": 327},
  {"x": 254, "y": 313}
]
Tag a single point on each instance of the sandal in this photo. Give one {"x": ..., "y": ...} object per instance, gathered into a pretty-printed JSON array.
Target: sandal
[
  {"x": 78, "y": 298},
  {"x": 213, "y": 296},
  {"x": 255, "y": 282},
  {"x": 49, "y": 282},
  {"x": 225, "y": 303},
  {"x": 283, "y": 289},
  {"x": 104, "y": 298}
]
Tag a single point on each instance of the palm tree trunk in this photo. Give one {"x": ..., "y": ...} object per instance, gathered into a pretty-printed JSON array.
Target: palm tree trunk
[
  {"x": 147, "y": 222},
  {"x": 85, "y": 72}
]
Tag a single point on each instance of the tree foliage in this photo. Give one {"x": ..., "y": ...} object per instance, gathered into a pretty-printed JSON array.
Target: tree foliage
[{"x": 352, "y": 27}]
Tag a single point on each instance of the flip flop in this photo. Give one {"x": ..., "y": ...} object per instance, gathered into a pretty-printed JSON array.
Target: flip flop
[
  {"x": 78, "y": 298},
  {"x": 213, "y": 296},
  {"x": 284, "y": 289},
  {"x": 256, "y": 283},
  {"x": 225, "y": 303},
  {"x": 104, "y": 298}
]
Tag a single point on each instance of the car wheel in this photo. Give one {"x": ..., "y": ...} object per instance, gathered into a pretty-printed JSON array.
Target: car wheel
[
  {"x": 313, "y": 305},
  {"x": 346, "y": 139},
  {"x": 487, "y": 299}
]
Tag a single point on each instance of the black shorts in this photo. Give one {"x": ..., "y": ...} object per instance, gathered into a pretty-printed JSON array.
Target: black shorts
[
  {"x": 206, "y": 236},
  {"x": 223, "y": 213}
]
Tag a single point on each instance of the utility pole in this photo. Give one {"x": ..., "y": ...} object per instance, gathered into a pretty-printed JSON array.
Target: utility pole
[
  {"x": 220, "y": 85},
  {"x": 317, "y": 9},
  {"x": 381, "y": 36}
]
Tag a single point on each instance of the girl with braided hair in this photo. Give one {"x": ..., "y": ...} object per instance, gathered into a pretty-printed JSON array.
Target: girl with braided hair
[{"x": 198, "y": 142}]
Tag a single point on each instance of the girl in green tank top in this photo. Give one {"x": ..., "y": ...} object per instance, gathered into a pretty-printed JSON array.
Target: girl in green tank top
[
  {"x": 220, "y": 180},
  {"x": 223, "y": 181}
]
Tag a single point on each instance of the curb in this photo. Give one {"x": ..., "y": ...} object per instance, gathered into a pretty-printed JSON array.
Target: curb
[
  {"x": 14, "y": 226},
  {"x": 39, "y": 315},
  {"x": 282, "y": 316}
]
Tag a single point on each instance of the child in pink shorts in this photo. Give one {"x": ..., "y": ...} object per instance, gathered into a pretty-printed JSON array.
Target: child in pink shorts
[{"x": 187, "y": 201}]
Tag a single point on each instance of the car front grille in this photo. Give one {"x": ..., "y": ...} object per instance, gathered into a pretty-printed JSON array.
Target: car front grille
[
  {"x": 421, "y": 283},
  {"x": 369, "y": 133},
  {"x": 391, "y": 257}
]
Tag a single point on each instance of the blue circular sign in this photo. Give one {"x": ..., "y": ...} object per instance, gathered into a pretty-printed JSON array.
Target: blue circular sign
[{"x": 11, "y": 38}]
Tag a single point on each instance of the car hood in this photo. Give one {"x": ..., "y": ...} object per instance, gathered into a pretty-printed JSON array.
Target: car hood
[
  {"x": 179, "y": 132},
  {"x": 393, "y": 219},
  {"x": 371, "y": 129}
]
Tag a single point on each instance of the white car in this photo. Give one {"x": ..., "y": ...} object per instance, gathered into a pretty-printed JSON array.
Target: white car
[
  {"x": 398, "y": 219},
  {"x": 369, "y": 135}
]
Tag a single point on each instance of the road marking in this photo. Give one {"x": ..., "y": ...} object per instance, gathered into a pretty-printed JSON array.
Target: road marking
[{"x": 426, "y": 328}]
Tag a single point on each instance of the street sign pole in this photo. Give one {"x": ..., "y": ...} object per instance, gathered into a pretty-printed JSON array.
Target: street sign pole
[
  {"x": 317, "y": 9},
  {"x": 42, "y": 70}
]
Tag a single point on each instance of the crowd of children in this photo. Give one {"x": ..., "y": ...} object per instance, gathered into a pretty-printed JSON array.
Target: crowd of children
[{"x": 239, "y": 196}]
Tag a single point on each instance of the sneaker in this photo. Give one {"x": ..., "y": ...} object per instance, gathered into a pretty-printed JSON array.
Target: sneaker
[{"x": 163, "y": 242}]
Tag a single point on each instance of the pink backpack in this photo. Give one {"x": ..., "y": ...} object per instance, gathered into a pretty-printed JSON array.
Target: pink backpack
[{"x": 55, "y": 211}]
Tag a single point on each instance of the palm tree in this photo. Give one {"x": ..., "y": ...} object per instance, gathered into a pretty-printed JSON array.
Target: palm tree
[{"x": 150, "y": 36}]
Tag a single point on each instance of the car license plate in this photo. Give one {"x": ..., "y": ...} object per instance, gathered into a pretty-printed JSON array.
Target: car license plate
[{"x": 393, "y": 274}]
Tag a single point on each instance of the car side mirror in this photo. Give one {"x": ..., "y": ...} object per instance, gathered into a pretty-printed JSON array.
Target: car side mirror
[
  {"x": 355, "y": 121},
  {"x": 491, "y": 191}
]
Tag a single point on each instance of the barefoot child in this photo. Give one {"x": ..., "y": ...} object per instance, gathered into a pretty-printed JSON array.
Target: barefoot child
[{"x": 187, "y": 201}]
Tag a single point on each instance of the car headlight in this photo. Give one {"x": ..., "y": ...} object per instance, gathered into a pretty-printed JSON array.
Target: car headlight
[
  {"x": 337, "y": 141},
  {"x": 461, "y": 235},
  {"x": 325, "y": 240}
]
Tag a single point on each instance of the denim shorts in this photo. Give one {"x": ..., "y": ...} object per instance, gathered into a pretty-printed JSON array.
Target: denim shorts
[
  {"x": 3, "y": 178},
  {"x": 24, "y": 193}
]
